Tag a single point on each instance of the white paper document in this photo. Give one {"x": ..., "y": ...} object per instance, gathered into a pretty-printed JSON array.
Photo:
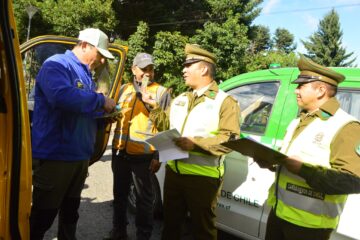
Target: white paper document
[{"x": 163, "y": 142}]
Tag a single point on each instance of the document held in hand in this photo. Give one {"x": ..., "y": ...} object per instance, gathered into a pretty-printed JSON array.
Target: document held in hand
[
  {"x": 256, "y": 150},
  {"x": 163, "y": 142}
]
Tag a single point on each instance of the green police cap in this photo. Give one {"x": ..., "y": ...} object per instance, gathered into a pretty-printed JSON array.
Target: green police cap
[
  {"x": 311, "y": 71},
  {"x": 194, "y": 53}
]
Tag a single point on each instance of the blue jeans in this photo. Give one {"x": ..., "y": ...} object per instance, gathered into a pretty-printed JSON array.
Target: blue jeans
[{"x": 124, "y": 166}]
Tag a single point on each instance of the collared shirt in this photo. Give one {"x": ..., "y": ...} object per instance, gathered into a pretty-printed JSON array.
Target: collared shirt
[
  {"x": 202, "y": 90},
  {"x": 344, "y": 175}
]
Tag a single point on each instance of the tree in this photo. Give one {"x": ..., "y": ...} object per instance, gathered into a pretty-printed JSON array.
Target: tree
[
  {"x": 162, "y": 28},
  {"x": 169, "y": 57},
  {"x": 67, "y": 17},
  {"x": 184, "y": 16},
  {"x": 259, "y": 39},
  {"x": 228, "y": 41},
  {"x": 137, "y": 42},
  {"x": 168, "y": 52},
  {"x": 247, "y": 10},
  {"x": 324, "y": 46},
  {"x": 264, "y": 59},
  {"x": 284, "y": 40}
]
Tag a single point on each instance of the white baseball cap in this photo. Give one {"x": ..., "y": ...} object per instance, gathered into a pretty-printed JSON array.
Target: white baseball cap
[{"x": 98, "y": 39}]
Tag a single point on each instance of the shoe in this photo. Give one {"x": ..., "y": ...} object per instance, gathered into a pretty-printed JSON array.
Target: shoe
[{"x": 116, "y": 234}]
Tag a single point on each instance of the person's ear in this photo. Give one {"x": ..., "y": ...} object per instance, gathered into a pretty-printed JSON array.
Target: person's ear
[
  {"x": 322, "y": 91},
  {"x": 83, "y": 46},
  {"x": 204, "y": 70},
  {"x": 133, "y": 69}
]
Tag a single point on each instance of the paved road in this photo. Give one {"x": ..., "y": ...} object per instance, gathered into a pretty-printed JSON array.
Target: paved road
[{"x": 96, "y": 210}]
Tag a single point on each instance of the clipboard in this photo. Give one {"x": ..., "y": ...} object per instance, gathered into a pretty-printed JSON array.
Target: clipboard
[{"x": 256, "y": 150}]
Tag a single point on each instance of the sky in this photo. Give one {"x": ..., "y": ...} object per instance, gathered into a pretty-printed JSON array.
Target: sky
[{"x": 301, "y": 18}]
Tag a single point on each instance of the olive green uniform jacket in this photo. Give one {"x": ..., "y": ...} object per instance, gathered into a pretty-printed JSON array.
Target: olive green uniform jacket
[
  {"x": 229, "y": 124},
  {"x": 344, "y": 175}
]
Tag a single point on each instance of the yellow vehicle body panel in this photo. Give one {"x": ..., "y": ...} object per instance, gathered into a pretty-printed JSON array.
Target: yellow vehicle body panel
[{"x": 15, "y": 145}]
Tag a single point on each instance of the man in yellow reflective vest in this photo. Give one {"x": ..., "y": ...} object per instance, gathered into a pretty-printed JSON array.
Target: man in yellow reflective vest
[
  {"x": 205, "y": 117},
  {"x": 323, "y": 164},
  {"x": 132, "y": 155}
]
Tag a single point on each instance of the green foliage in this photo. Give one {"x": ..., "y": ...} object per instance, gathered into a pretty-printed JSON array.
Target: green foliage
[
  {"x": 21, "y": 19},
  {"x": 70, "y": 16},
  {"x": 284, "y": 40},
  {"x": 67, "y": 17},
  {"x": 162, "y": 28},
  {"x": 228, "y": 41},
  {"x": 247, "y": 10},
  {"x": 259, "y": 39},
  {"x": 262, "y": 60},
  {"x": 169, "y": 57},
  {"x": 137, "y": 42},
  {"x": 325, "y": 46},
  {"x": 184, "y": 16}
]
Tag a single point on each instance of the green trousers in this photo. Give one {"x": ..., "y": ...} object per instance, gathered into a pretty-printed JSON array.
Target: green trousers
[
  {"x": 279, "y": 229},
  {"x": 196, "y": 195}
]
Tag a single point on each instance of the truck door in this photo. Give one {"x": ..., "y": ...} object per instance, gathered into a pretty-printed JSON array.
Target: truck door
[
  {"x": 245, "y": 185},
  {"x": 15, "y": 153}
]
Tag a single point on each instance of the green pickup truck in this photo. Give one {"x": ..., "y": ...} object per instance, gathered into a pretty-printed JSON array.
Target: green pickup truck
[{"x": 268, "y": 104}]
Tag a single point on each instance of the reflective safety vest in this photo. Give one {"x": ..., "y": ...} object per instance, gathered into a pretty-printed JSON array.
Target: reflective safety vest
[
  {"x": 297, "y": 202},
  {"x": 203, "y": 121},
  {"x": 129, "y": 131}
]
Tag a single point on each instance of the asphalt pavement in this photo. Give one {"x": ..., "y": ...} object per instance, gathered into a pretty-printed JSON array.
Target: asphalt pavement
[{"x": 96, "y": 207}]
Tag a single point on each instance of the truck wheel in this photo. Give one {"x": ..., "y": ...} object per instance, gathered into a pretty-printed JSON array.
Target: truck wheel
[{"x": 157, "y": 198}]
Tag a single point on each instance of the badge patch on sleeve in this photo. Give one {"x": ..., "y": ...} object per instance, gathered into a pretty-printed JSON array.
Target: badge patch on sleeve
[
  {"x": 180, "y": 103},
  {"x": 79, "y": 84}
]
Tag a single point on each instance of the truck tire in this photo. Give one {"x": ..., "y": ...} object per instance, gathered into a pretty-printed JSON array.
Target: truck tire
[{"x": 157, "y": 198}]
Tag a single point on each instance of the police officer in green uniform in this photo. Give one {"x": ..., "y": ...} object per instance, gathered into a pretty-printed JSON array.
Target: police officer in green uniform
[
  {"x": 205, "y": 117},
  {"x": 323, "y": 166}
]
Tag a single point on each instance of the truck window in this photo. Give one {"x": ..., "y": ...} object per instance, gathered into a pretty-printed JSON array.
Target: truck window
[
  {"x": 34, "y": 58},
  {"x": 350, "y": 101},
  {"x": 256, "y": 101}
]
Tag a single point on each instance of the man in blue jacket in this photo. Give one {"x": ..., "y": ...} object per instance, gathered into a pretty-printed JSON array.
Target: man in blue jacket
[{"x": 64, "y": 131}]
